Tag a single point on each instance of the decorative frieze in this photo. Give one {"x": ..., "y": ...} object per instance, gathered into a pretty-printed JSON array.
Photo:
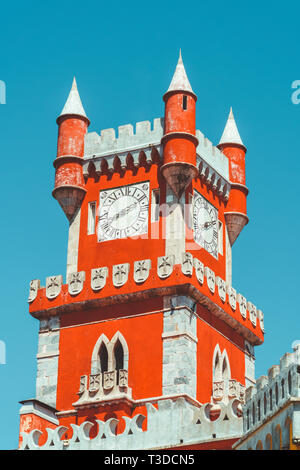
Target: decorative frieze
[
  {"x": 33, "y": 289},
  {"x": 232, "y": 297},
  {"x": 199, "y": 269},
  {"x": 211, "y": 279},
  {"x": 187, "y": 264},
  {"x": 165, "y": 266},
  {"x": 111, "y": 384},
  {"x": 75, "y": 282},
  {"x": 252, "y": 313},
  {"x": 120, "y": 274},
  {"x": 242, "y": 305},
  {"x": 218, "y": 390},
  {"x": 98, "y": 278},
  {"x": 261, "y": 320},
  {"x": 221, "y": 288},
  {"x": 141, "y": 270},
  {"x": 53, "y": 286}
]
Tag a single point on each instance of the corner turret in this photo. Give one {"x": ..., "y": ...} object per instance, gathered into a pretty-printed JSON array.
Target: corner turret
[
  {"x": 236, "y": 210},
  {"x": 179, "y": 140},
  {"x": 72, "y": 126}
]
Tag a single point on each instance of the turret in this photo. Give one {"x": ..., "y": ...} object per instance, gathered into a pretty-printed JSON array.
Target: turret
[
  {"x": 179, "y": 140},
  {"x": 72, "y": 126},
  {"x": 236, "y": 209}
]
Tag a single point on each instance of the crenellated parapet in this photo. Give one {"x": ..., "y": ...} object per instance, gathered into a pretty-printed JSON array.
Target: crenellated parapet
[
  {"x": 143, "y": 279},
  {"x": 169, "y": 423},
  {"x": 142, "y": 146},
  {"x": 272, "y": 392}
]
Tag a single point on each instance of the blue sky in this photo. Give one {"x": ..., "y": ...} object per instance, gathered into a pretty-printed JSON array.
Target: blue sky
[{"x": 123, "y": 55}]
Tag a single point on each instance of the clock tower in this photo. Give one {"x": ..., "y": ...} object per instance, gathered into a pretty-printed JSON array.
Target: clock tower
[{"x": 145, "y": 343}]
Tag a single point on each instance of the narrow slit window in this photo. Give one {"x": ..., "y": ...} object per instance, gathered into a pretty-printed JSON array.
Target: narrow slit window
[
  {"x": 184, "y": 102},
  {"x": 155, "y": 205},
  {"x": 220, "y": 238},
  {"x": 91, "y": 218}
]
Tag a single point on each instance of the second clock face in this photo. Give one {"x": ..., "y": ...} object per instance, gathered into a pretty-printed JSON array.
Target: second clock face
[
  {"x": 123, "y": 212},
  {"x": 205, "y": 224}
]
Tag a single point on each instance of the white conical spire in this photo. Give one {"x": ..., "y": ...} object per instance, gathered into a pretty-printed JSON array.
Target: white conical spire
[
  {"x": 73, "y": 104},
  {"x": 231, "y": 134},
  {"x": 180, "y": 80}
]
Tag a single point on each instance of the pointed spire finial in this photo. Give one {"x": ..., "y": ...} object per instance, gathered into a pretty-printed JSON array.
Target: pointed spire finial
[
  {"x": 231, "y": 134},
  {"x": 180, "y": 81},
  {"x": 73, "y": 104}
]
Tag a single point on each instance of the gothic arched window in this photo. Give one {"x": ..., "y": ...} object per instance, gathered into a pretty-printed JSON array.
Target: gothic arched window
[{"x": 103, "y": 357}]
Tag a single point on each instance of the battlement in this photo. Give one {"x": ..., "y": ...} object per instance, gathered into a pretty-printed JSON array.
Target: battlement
[
  {"x": 272, "y": 392},
  {"x": 108, "y": 143},
  {"x": 172, "y": 423},
  {"x": 104, "y": 285},
  {"x": 212, "y": 163}
]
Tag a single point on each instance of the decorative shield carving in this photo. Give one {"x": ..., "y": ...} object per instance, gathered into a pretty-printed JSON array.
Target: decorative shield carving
[
  {"x": 83, "y": 384},
  {"x": 242, "y": 393},
  {"x": 199, "y": 268},
  {"x": 233, "y": 388},
  {"x": 221, "y": 289},
  {"x": 123, "y": 378},
  {"x": 218, "y": 390},
  {"x": 95, "y": 380},
  {"x": 187, "y": 264},
  {"x": 165, "y": 266},
  {"x": 242, "y": 304},
  {"x": 211, "y": 279},
  {"x": 252, "y": 313},
  {"x": 120, "y": 274},
  {"x": 232, "y": 297},
  {"x": 98, "y": 278},
  {"x": 53, "y": 286},
  {"x": 33, "y": 289},
  {"x": 75, "y": 282},
  {"x": 141, "y": 270},
  {"x": 109, "y": 379},
  {"x": 261, "y": 320}
]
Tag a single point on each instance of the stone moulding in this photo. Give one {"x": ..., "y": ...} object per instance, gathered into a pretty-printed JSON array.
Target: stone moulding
[
  {"x": 165, "y": 267},
  {"x": 172, "y": 423}
]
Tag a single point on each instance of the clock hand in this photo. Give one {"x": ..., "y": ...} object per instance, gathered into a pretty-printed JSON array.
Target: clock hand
[
  {"x": 207, "y": 225},
  {"x": 122, "y": 212}
]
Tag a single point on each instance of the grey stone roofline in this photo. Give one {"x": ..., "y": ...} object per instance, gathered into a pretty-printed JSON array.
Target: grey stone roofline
[{"x": 106, "y": 147}]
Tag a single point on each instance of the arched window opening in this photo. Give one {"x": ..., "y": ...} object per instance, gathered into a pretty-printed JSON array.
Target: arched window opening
[
  {"x": 258, "y": 410},
  {"x": 119, "y": 358},
  {"x": 184, "y": 102},
  {"x": 103, "y": 357},
  {"x": 276, "y": 393},
  {"x": 290, "y": 383},
  {"x": 253, "y": 414},
  {"x": 217, "y": 374},
  {"x": 265, "y": 404},
  {"x": 282, "y": 388},
  {"x": 271, "y": 400}
]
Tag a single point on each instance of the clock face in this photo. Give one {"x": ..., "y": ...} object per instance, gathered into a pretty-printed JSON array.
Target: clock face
[
  {"x": 205, "y": 224},
  {"x": 123, "y": 212}
]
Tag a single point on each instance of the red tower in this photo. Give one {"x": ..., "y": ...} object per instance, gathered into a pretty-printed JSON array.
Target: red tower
[
  {"x": 236, "y": 210},
  {"x": 146, "y": 328},
  {"x": 72, "y": 127},
  {"x": 179, "y": 140}
]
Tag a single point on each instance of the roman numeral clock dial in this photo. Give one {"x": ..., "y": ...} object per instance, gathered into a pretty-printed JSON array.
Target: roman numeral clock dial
[
  {"x": 123, "y": 212},
  {"x": 205, "y": 224}
]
